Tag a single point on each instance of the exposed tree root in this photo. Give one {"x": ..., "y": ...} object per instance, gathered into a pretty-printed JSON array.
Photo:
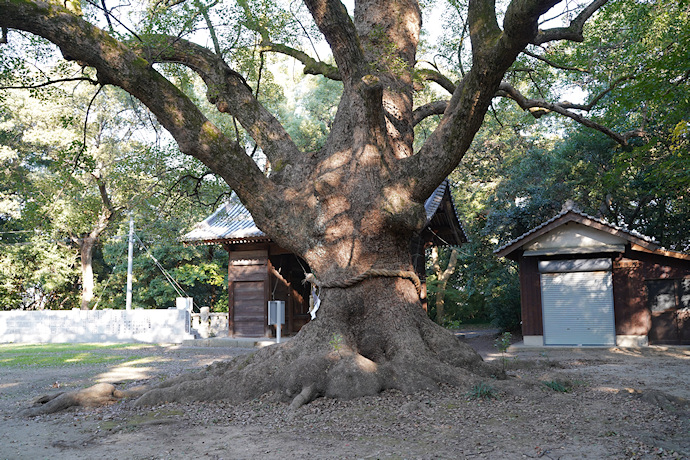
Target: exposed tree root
[
  {"x": 300, "y": 371},
  {"x": 665, "y": 401},
  {"x": 305, "y": 396},
  {"x": 334, "y": 357},
  {"x": 97, "y": 395}
]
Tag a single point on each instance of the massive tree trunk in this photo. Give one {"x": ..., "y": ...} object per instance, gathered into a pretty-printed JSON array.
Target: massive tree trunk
[
  {"x": 349, "y": 209},
  {"x": 366, "y": 338},
  {"x": 369, "y": 335}
]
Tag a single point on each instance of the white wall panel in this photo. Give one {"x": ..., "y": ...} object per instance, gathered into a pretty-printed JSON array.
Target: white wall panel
[{"x": 578, "y": 308}]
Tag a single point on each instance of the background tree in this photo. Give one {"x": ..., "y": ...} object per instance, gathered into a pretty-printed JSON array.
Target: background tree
[
  {"x": 38, "y": 268},
  {"x": 73, "y": 167},
  {"x": 441, "y": 280},
  {"x": 350, "y": 208},
  {"x": 163, "y": 269},
  {"x": 522, "y": 168}
]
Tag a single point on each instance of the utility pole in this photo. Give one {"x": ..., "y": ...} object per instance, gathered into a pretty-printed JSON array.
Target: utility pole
[{"x": 130, "y": 257}]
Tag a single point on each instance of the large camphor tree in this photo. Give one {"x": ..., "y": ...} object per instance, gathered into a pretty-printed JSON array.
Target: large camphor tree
[{"x": 348, "y": 209}]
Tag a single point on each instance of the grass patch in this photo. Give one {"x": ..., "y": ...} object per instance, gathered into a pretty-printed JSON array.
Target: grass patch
[
  {"x": 556, "y": 385},
  {"x": 482, "y": 391},
  {"x": 64, "y": 354}
]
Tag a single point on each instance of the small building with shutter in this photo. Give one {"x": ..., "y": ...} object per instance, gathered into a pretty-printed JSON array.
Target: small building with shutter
[
  {"x": 260, "y": 270},
  {"x": 584, "y": 281}
]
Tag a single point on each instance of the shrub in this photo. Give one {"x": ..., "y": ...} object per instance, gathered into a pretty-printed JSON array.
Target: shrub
[{"x": 555, "y": 385}]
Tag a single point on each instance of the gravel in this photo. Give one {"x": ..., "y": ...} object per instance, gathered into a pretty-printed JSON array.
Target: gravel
[{"x": 603, "y": 414}]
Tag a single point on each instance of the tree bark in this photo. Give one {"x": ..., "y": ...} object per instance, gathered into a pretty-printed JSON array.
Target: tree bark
[
  {"x": 86, "y": 247},
  {"x": 109, "y": 213}
]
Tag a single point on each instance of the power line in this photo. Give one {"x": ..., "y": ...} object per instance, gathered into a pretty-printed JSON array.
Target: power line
[{"x": 180, "y": 291}]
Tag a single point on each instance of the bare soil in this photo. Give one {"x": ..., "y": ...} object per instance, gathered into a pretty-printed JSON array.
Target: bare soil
[{"x": 608, "y": 403}]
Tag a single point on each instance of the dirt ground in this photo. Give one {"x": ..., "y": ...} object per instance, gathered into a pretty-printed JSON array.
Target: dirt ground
[{"x": 602, "y": 403}]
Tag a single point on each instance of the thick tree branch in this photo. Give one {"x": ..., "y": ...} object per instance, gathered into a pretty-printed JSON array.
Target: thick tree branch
[
  {"x": 484, "y": 29},
  {"x": 493, "y": 53},
  {"x": 428, "y": 110},
  {"x": 311, "y": 65},
  {"x": 574, "y": 31},
  {"x": 230, "y": 93},
  {"x": 539, "y": 107},
  {"x": 118, "y": 64},
  {"x": 438, "y": 78},
  {"x": 335, "y": 24},
  {"x": 520, "y": 22}
]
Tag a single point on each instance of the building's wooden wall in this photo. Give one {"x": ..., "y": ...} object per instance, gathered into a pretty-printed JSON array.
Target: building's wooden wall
[
  {"x": 631, "y": 272},
  {"x": 530, "y": 296},
  {"x": 258, "y": 273}
]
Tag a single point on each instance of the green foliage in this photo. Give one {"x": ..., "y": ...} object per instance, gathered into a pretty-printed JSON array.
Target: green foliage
[
  {"x": 200, "y": 271},
  {"x": 336, "y": 342},
  {"x": 483, "y": 288},
  {"x": 50, "y": 198},
  {"x": 452, "y": 324},
  {"x": 482, "y": 391},
  {"x": 634, "y": 60},
  {"x": 504, "y": 299},
  {"x": 37, "y": 274},
  {"x": 309, "y": 111},
  {"x": 558, "y": 386},
  {"x": 501, "y": 344}
]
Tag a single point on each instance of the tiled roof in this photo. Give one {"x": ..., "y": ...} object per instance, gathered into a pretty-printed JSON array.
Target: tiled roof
[
  {"x": 570, "y": 209},
  {"x": 232, "y": 221},
  {"x": 434, "y": 201}
]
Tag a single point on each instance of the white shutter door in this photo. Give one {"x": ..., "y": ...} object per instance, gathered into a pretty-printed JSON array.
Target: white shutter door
[{"x": 578, "y": 308}]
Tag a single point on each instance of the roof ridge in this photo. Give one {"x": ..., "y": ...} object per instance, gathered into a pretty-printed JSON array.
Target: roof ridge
[{"x": 573, "y": 209}]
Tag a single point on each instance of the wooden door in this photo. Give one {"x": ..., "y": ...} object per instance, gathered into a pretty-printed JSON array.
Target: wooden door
[
  {"x": 247, "y": 289},
  {"x": 249, "y": 308},
  {"x": 669, "y": 304}
]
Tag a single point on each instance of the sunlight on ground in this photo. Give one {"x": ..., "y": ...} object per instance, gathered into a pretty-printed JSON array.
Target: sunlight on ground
[
  {"x": 494, "y": 356},
  {"x": 81, "y": 357},
  {"x": 4, "y": 386},
  {"x": 132, "y": 370},
  {"x": 604, "y": 389},
  {"x": 679, "y": 352}
]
